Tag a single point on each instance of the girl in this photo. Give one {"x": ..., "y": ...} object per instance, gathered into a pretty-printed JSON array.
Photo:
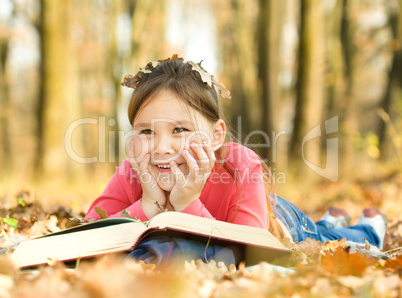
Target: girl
[{"x": 179, "y": 160}]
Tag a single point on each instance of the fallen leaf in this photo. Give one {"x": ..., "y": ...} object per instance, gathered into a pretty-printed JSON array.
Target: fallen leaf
[
  {"x": 341, "y": 262},
  {"x": 102, "y": 213},
  {"x": 222, "y": 89},
  {"x": 394, "y": 264},
  {"x": 351, "y": 281},
  {"x": 310, "y": 247},
  {"x": 205, "y": 76},
  {"x": 125, "y": 213},
  {"x": 12, "y": 222},
  {"x": 334, "y": 244}
]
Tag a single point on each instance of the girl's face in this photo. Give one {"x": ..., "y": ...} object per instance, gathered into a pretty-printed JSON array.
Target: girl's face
[{"x": 164, "y": 128}]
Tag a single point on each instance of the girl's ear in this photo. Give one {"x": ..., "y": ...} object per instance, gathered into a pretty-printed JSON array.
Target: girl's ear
[{"x": 219, "y": 134}]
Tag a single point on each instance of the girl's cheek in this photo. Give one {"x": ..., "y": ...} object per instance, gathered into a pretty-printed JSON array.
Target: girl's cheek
[{"x": 141, "y": 147}]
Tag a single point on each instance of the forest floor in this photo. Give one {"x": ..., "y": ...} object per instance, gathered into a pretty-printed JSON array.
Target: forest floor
[{"x": 333, "y": 269}]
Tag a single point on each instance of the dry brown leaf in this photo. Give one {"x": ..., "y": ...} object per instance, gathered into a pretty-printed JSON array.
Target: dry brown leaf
[
  {"x": 102, "y": 213},
  {"x": 342, "y": 262},
  {"x": 205, "y": 77},
  {"x": 310, "y": 247},
  {"x": 394, "y": 264},
  {"x": 351, "y": 281},
  {"x": 288, "y": 243},
  {"x": 145, "y": 267},
  {"x": 334, "y": 244},
  {"x": 125, "y": 213},
  {"x": 222, "y": 89},
  {"x": 334, "y": 272}
]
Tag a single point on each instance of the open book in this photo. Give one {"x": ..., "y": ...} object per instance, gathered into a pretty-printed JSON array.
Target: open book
[{"x": 114, "y": 235}]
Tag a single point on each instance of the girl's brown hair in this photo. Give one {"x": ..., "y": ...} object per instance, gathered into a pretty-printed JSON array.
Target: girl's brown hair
[{"x": 179, "y": 78}]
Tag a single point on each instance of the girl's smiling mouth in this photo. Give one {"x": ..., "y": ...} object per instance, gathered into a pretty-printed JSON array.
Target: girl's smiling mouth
[{"x": 165, "y": 167}]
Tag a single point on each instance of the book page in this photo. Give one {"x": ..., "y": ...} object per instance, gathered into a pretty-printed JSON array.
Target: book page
[
  {"x": 115, "y": 238},
  {"x": 95, "y": 225},
  {"x": 215, "y": 228}
]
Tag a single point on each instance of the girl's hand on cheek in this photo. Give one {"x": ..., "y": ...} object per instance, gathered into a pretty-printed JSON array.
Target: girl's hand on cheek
[
  {"x": 151, "y": 192},
  {"x": 188, "y": 187}
]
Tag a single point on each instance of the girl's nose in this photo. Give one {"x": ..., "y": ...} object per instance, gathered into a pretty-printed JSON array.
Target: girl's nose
[{"x": 164, "y": 146}]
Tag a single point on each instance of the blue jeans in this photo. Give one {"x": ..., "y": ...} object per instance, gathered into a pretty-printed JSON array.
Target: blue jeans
[
  {"x": 302, "y": 227},
  {"x": 161, "y": 250}
]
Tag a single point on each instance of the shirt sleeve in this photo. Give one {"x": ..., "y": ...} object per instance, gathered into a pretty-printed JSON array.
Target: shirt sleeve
[
  {"x": 198, "y": 208},
  {"x": 245, "y": 204},
  {"x": 248, "y": 204},
  {"x": 119, "y": 195}
]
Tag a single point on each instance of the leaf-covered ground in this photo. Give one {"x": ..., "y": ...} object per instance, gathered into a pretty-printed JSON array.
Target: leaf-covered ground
[{"x": 333, "y": 269}]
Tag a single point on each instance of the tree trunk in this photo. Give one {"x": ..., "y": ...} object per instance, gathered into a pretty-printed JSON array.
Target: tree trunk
[
  {"x": 116, "y": 150},
  {"x": 347, "y": 114},
  {"x": 365, "y": 88},
  {"x": 394, "y": 75},
  {"x": 268, "y": 68},
  {"x": 59, "y": 101},
  {"x": 336, "y": 66},
  {"x": 236, "y": 47},
  {"x": 310, "y": 83},
  {"x": 148, "y": 30},
  {"x": 5, "y": 149}
]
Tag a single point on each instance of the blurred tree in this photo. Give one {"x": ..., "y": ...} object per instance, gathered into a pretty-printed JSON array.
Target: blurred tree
[
  {"x": 147, "y": 32},
  {"x": 347, "y": 114},
  {"x": 334, "y": 76},
  {"x": 4, "y": 98},
  {"x": 147, "y": 43},
  {"x": 97, "y": 54},
  {"x": 366, "y": 36},
  {"x": 310, "y": 81},
  {"x": 395, "y": 71},
  {"x": 349, "y": 65},
  {"x": 236, "y": 57},
  {"x": 59, "y": 95},
  {"x": 115, "y": 66},
  {"x": 269, "y": 27}
]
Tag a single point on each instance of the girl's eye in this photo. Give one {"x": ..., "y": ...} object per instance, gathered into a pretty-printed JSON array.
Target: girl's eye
[
  {"x": 180, "y": 129},
  {"x": 146, "y": 132}
]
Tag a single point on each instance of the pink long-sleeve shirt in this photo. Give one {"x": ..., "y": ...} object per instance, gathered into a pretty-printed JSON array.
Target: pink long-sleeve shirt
[{"x": 220, "y": 199}]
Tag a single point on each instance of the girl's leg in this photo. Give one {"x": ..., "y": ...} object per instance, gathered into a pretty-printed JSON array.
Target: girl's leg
[
  {"x": 324, "y": 225},
  {"x": 355, "y": 233},
  {"x": 302, "y": 227},
  {"x": 333, "y": 218}
]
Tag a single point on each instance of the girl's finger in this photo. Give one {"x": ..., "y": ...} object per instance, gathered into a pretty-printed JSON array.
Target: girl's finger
[
  {"x": 131, "y": 159},
  {"x": 210, "y": 153},
  {"x": 145, "y": 163},
  {"x": 177, "y": 174},
  {"x": 191, "y": 162},
  {"x": 146, "y": 176},
  {"x": 206, "y": 160},
  {"x": 199, "y": 151},
  {"x": 135, "y": 164}
]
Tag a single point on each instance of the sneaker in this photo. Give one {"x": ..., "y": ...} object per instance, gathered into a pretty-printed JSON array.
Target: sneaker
[
  {"x": 338, "y": 217},
  {"x": 377, "y": 220}
]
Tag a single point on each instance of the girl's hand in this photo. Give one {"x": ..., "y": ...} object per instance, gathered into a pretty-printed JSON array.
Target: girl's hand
[
  {"x": 151, "y": 192},
  {"x": 188, "y": 187}
]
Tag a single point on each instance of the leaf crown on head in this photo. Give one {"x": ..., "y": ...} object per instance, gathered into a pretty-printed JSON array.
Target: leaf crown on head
[{"x": 208, "y": 79}]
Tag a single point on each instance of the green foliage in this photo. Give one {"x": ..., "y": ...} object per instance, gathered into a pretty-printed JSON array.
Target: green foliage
[
  {"x": 21, "y": 201},
  {"x": 12, "y": 222},
  {"x": 367, "y": 143}
]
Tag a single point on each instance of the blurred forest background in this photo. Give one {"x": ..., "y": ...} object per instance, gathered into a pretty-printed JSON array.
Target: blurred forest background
[{"x": 290, "y": 65}]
